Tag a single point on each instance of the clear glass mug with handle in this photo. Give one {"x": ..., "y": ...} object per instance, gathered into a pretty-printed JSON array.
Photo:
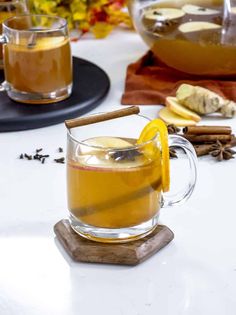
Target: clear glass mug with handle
[
  {"x": 114, "y": 185},
  {"x": 192, "y": 36},
  {"x": 37, "y": 59}
]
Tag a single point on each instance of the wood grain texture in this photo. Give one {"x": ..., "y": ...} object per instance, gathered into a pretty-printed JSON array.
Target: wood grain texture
[{"x": 132, "y": 253}]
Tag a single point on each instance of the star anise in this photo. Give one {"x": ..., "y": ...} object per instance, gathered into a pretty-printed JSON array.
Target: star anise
[
  {"x": 172, "y": 129},
  {"x": 222, "y": 152},
  {"x": 128, "y": 155}
]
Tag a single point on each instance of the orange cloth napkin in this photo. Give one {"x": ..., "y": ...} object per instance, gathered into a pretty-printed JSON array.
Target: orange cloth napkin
[{"x": 149, "y": 82}]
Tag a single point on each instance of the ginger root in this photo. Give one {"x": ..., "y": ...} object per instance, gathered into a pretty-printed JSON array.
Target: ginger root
[
  {"x": 229, "y": 109},
  {"x": 204, "y": 101}
]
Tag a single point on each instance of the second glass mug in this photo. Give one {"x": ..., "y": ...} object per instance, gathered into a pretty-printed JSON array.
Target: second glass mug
[
  {"x": 37, "y": 59},
  {"x": 192, "y": 36},
  {"x": 115, "y": 189}
]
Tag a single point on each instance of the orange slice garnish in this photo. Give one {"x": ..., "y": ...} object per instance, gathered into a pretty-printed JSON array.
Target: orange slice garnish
[{"x": 153, "y": 128}]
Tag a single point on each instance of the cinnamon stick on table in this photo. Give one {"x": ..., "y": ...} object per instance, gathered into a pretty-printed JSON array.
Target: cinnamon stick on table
[
  {"x": 207, "y": 130},
  {"x": 208, "y": 138},
  {"x": 204, "y": 149},
  {"x": 233, "y": 142},
  {"x": 92, "y": 119}
]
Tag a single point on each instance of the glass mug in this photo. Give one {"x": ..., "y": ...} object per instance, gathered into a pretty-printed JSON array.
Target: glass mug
[
  {"x": 115, "y": 189},
  {"x": 192, "y": 36},
  {"x": 37, "y": 59},
  {"x": 7, "y": 10}
]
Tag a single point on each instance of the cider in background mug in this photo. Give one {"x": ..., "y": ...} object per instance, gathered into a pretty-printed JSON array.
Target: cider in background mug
[
  {"x": 115, "y": 188},
  {"x": 37, "y": 59}
]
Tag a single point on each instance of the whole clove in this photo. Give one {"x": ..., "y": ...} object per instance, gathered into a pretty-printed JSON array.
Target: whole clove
[
  {"x": 60, "y": 160},
  {"x": 27, "y": 156},
  {"x": 37, "y": 157},
  {"x": 40, "y": 156},
  {"x": 173, "y": 129},
  {"x": 60, "y": 150}
]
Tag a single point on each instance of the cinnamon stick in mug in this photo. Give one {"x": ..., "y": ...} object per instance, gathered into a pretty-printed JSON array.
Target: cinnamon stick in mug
[{"x": 82, "y": 121}]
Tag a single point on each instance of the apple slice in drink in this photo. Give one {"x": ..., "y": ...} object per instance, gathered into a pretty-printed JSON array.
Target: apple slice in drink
[{"x": 98, "y": 152}]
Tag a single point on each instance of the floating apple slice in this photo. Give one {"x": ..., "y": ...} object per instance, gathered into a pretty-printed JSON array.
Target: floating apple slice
[
  {"x": 173, "y": 104},
  {"x": 108, "y": 142},
  {"x": 164, "y": 14},
  {"x": 196, "y": 10},
  {"x": 97, "y": 145},
  {"x": 99, "y": 154},
  {"x": 233, "y": 10},
  {"x": 197, "y": 26},
  {"x": 170, "y": 117}
]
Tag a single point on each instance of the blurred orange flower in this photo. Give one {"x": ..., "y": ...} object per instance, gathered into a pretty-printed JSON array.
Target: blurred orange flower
[{"x": 96, "y": 16}]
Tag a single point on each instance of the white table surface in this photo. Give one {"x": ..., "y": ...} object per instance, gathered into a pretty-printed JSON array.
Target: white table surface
[{"x": 193, "y": 275}]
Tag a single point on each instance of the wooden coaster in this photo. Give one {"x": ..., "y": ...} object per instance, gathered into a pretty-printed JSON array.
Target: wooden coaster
[{"x": 132, "y": 253}]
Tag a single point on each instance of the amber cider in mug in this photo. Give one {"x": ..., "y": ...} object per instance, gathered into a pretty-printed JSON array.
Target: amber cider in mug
[
  {"x": 37, "y": 59},
  {"x": 43, "y": 68},
  {"x": 97, "y": 184},
  {"x": 114, "y": 183}
]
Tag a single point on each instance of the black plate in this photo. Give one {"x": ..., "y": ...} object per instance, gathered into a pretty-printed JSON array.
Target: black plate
[{"x": 91, "y": 85}]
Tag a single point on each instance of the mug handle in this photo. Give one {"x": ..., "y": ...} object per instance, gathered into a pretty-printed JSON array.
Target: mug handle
[
  {"x": 3, "y": 85},
  {"x": 169, "y": 200},
  {"x": 3, "y": 39}
]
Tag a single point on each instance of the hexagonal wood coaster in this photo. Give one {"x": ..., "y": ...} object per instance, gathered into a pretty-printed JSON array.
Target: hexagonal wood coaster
[{"x": 131, "y": 253}]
